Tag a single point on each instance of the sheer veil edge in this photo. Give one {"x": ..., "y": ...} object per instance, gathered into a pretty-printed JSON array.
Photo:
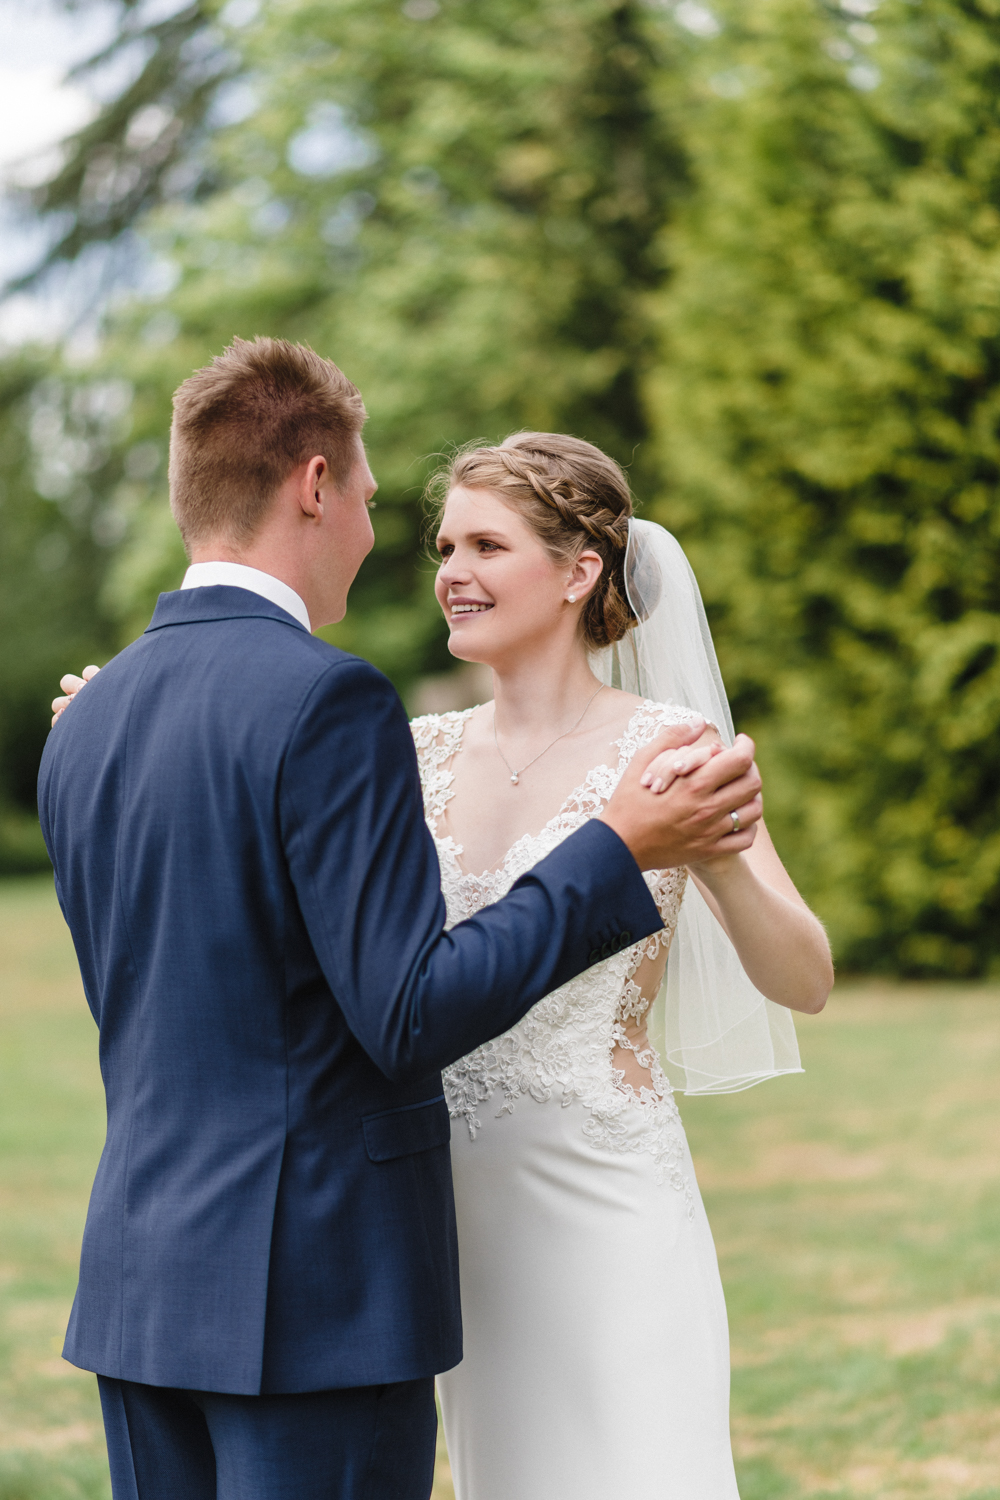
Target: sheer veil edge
[{"x": 716, "y": 1033}]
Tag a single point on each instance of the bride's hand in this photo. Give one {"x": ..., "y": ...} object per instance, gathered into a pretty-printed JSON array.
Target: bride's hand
[
  {"x": 671, "y": 764},
  {"x": 71, "y": 686}
]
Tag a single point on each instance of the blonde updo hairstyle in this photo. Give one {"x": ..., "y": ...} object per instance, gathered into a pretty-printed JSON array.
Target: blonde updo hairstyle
[{"x": 573, "y": 497}]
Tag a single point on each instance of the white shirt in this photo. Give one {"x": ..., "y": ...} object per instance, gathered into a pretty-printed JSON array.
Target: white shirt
[{"x": 238, "y": 576}]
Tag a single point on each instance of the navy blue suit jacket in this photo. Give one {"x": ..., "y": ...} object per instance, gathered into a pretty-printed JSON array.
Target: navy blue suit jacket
[{"x": 234, "y": 815}]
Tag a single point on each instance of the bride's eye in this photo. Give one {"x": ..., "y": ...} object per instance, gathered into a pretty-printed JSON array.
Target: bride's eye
[{"x": 445, "y": 550}]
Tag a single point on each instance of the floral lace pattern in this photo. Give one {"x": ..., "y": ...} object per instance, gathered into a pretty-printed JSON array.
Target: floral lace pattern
[{"x": 564, "y": 1047}]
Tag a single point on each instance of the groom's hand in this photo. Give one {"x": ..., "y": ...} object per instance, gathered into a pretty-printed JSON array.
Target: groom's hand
[{"x": 692, "y": 820}]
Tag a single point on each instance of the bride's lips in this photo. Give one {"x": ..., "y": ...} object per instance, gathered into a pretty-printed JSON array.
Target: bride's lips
[{"x": 464, "y": 609}]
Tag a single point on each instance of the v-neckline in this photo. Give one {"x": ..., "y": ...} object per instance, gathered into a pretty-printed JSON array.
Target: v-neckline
[{"x": 449, "y": 843}]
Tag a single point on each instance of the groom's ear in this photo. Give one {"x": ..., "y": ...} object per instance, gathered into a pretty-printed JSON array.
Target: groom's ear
[
  {"x": 310, "y": 481},
  {"x": 320, "y": 475}
]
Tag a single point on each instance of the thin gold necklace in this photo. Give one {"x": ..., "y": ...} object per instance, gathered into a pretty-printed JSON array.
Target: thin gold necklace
[{"x": 515, "y": 775}]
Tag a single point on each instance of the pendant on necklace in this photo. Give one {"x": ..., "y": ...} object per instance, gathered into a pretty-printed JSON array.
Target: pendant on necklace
[{"x": 513, "y": 779}]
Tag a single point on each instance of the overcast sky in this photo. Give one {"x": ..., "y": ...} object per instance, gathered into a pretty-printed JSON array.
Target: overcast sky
[{"x": 39, "y": 42}]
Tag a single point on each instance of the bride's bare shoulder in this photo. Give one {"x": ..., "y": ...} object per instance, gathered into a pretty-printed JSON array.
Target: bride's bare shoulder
[
  {"x": 623, "y": 702},
  {"x": 619, "y": 709}
]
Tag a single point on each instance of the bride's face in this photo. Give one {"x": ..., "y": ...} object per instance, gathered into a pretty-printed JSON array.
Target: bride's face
[{"x": 499, "y": 588}]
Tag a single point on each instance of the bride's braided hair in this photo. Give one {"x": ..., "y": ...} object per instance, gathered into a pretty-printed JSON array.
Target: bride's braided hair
[{"x": 573, "y": 497}]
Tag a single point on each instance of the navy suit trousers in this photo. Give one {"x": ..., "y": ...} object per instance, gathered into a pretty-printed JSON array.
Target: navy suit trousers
[{"x": 366, "y": 1443}]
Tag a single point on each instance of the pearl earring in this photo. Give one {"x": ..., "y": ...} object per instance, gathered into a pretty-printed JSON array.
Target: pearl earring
[{"x": 571, "y": 598}]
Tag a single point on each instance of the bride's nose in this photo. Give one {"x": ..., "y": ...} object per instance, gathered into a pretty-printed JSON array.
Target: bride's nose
[{"x": 453, "y": 570}]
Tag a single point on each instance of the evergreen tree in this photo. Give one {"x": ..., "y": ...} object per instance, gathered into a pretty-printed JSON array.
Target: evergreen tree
[{"x": 827, "y": 415}]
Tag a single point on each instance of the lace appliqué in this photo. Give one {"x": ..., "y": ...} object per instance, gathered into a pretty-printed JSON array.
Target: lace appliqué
[
  {"x": 563, "y": 1048},
  {"x": 437, "y": 738}
]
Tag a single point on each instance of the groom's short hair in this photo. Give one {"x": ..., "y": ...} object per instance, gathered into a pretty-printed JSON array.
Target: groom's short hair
[{"x": 244, "y": 422}]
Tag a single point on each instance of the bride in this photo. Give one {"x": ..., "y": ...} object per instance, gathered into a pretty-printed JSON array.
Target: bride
[{"x": 596, "y": 1346}]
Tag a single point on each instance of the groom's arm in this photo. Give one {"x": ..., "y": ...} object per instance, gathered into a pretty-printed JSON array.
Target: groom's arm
[{"x": 366, "y": 874}]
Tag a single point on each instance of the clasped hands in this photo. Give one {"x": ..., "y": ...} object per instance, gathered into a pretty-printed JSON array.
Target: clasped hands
[{"x": 675, "y": 803}]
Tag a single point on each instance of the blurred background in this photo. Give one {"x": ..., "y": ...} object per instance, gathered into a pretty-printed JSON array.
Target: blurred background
[{"x": 751, "y": 248}]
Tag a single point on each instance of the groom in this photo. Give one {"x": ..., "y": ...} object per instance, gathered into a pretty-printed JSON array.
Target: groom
[{"x": 268, "y": 1281}]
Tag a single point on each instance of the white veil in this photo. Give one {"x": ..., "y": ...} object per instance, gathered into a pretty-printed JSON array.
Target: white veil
[{"x": 715, "y": 1032}]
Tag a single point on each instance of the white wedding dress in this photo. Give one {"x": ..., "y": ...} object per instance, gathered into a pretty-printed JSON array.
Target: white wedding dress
[{"x": 596, "y": 1346}]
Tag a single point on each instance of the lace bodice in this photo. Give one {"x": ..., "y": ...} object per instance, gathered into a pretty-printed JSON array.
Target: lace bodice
[{"x": 563, "y": 1049}]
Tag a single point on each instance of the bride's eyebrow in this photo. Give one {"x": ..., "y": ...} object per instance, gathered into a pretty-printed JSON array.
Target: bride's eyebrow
[{"x": 443, "y": 540}]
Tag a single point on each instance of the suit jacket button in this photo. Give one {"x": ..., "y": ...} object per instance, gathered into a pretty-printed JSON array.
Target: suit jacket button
[
  {"x": 607, "y": 950},
  {"x": 595, "y": 954},
  {"x": 625, "y": 938}
]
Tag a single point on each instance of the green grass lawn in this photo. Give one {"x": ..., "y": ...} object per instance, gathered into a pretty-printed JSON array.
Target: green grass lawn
[{"x": 856, "y": 1211}]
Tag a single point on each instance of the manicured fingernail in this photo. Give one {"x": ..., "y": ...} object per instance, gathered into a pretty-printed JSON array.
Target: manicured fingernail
[
  {"x": 657, "y": 786},
  {"x": 680, "y": 765}
]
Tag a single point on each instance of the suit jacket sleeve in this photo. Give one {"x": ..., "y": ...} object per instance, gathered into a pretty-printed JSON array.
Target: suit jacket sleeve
[{"x": 366, "y": 875}]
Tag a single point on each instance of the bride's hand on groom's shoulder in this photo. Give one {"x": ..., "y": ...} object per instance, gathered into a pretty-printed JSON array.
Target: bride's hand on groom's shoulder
[
  {"x": 692, "y": 820},
  {"x": 71, "y": 685}
]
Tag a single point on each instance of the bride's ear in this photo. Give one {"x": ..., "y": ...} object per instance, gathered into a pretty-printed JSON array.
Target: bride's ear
[{"x": 583, "y": 576}]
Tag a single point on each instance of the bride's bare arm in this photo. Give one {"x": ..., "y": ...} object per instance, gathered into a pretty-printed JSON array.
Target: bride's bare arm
[{"x": 781, "y": 944}]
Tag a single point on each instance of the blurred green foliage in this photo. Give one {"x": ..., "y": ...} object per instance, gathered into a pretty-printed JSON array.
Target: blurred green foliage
[
  {"x": 750, "y": 250},
  {"x": 54, "y": 443},
  {"x": 826, "y": 405}
]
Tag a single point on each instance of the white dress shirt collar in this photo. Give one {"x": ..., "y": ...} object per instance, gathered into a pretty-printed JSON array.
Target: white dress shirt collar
[{"x": 239, "y": 576}]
